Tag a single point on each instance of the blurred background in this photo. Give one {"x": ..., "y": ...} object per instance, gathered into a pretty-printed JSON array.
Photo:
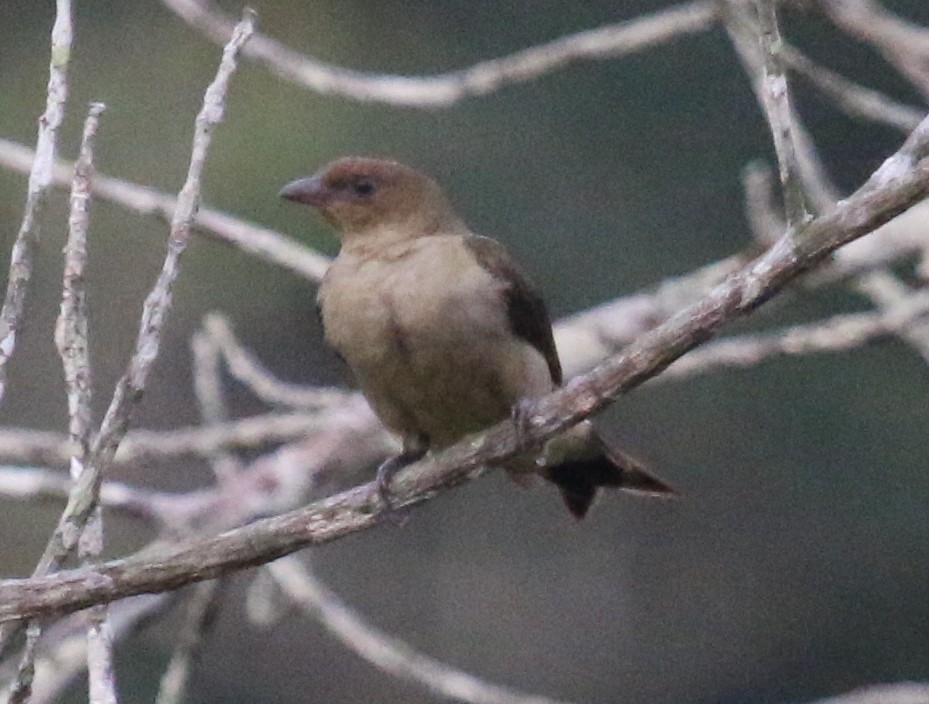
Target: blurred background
[{"x": 796, "y": 566}]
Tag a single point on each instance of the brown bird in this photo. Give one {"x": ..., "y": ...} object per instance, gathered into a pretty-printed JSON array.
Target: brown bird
[{"x": 442, "y": 330}]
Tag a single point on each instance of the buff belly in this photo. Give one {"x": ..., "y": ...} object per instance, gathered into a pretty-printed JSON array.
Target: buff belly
[{"x": 429, "y": 342}]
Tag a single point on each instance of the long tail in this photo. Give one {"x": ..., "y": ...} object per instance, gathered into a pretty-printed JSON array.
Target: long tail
[{"x": 579, "y": 479}]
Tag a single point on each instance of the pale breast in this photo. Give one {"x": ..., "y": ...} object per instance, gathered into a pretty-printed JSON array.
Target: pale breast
[{"x": 425, "y": 331}]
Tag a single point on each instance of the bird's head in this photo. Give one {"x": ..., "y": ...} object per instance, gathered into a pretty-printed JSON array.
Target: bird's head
[{"x": 364, "y": 196}]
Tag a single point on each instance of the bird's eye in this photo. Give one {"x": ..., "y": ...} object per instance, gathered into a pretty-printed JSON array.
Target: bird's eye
[{"x": 364, "y": 187}]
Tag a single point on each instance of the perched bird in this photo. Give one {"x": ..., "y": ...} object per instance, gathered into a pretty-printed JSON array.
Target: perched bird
[{"x": 444, "y": 333}]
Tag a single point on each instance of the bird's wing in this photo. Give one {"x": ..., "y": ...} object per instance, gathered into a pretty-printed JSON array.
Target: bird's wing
[{"x": 526, "y": 311}]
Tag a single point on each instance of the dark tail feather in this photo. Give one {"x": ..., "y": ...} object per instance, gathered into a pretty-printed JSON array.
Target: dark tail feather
[{"x": 578, "y": 480}]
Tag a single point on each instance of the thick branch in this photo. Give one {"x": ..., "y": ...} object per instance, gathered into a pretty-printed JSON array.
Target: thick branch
[{"x": 362, "y": 507}]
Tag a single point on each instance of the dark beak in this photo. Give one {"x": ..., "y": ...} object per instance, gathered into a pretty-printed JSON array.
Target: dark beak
[{"x": 310, "y": 191}]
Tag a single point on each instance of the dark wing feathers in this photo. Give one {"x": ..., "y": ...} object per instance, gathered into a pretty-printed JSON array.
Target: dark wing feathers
[{"x": 525, "y": 308}]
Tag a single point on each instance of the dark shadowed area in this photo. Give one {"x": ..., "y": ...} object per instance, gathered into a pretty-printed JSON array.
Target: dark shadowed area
[{"x": 795, "y": 566}]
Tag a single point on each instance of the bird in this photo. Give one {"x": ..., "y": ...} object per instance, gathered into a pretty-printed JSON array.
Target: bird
[{"x": 444, "y": 333}]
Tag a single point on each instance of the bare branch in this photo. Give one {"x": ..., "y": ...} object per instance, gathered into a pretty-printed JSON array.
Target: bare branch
[
  {"x": 21, "y": 684},
  {"x": 764, "y": 221},
  {"x": 854, "y": 99},
  {"x": 250, "y": 238},
  {"x": 157, "y": 304},
  {"x": 21, "y": 271},
  {"x": 362, "y": 507},
  {"x": 82, "y": 503},
  {"x": 446, "y": 89},
  {"x": 71, "y": 335},
  {"x": 101, "y": 675},
  {"x": 888, "y": 293},
  {"x": 743, "y": 32},
  {"x": 154, "y": 316},
  {"x": 208, "y": 388},
  {"x": 35, "y": 483},
  {"x": 249, "y": 371},
  {"x": 385, "y": 652},
  {"x": 66, "y": 656},
  {"x": 71, "y": 338},
  {"x": 841, "y": 332},
  {"x": 53, "y": 449},
  {"x": 776, "y": 100},
  {"x": 201, "y": 610},
  {"x": 904, "y": 45},
  {"x": 40, "y": 176},
  {"x": 898, "y": 693}
]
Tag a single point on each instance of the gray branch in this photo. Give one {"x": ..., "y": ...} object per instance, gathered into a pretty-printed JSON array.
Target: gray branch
[
  {"x": 888, "y": 193},
  {"x": 446, "y": 89},
  {"x": 40, "y": 177}
]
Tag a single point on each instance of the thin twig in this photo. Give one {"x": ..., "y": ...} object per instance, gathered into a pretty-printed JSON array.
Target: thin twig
[
  {"x": 897, "y": 693},
  {"x": 446, "y": 89},
  {"x": 66, "y": 643},
  {"x": 154, "y": 316},
  {"x": 71, "y": 338},
  {"x": 37, "y": 447},
  {"x": 764, "y": 222},
  {"x": 835, "y": 334},
  {"x": 903, "y": 44},
  {"x": 387, "y": 653},
  {"x": 72, "y": 342},
  {"x": 208, "y": 388},
  {"x": 743, "y": 32},
  {"x": 882, "y": 287},
  {"x": 246, "y": 369},
  {"x": 854, "y": 99},
  {"x": 71, "y": 334},
  {"x": 249, "y": 237},
  {"x": 776, "y": 99},
  {"x": 82, "y": 505},
  {"x": 101, "y": 675},
  {"x": 40, "y": 177},
  {"x": 889, "y": 293},
  {"x": 200, "y": 613},
  {"x": 362, "y": 507},
  {"x": 157, "y": 304},
  {"x": 41, "y": 484}
]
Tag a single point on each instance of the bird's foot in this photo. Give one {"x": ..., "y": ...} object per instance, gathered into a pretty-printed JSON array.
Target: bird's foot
[
  {"x": 523, "y": 415},
  {"x": 386, "y": 471}
]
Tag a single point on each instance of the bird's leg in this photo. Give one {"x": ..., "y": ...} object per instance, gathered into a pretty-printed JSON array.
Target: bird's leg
[
  {"x": 388, "y": 468},
  {"x": 522, "y": 413}
]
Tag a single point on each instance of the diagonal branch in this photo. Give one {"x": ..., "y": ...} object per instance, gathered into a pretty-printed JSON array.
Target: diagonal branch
[
  {"x": 249, "y": 237},
  {"x": 886, "y": 195},
  {"x": 903, "y": 44},
  {"x": 854, "y": 99},
  {"x": 82, "y": 503},
  {"x": 40, "y": 177},
  {"x": 72, "y": 340},
  {"x": 384, "y": 651},
  {"x": 777, "y": 108},
  {"x": 446, "y": 89}
]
